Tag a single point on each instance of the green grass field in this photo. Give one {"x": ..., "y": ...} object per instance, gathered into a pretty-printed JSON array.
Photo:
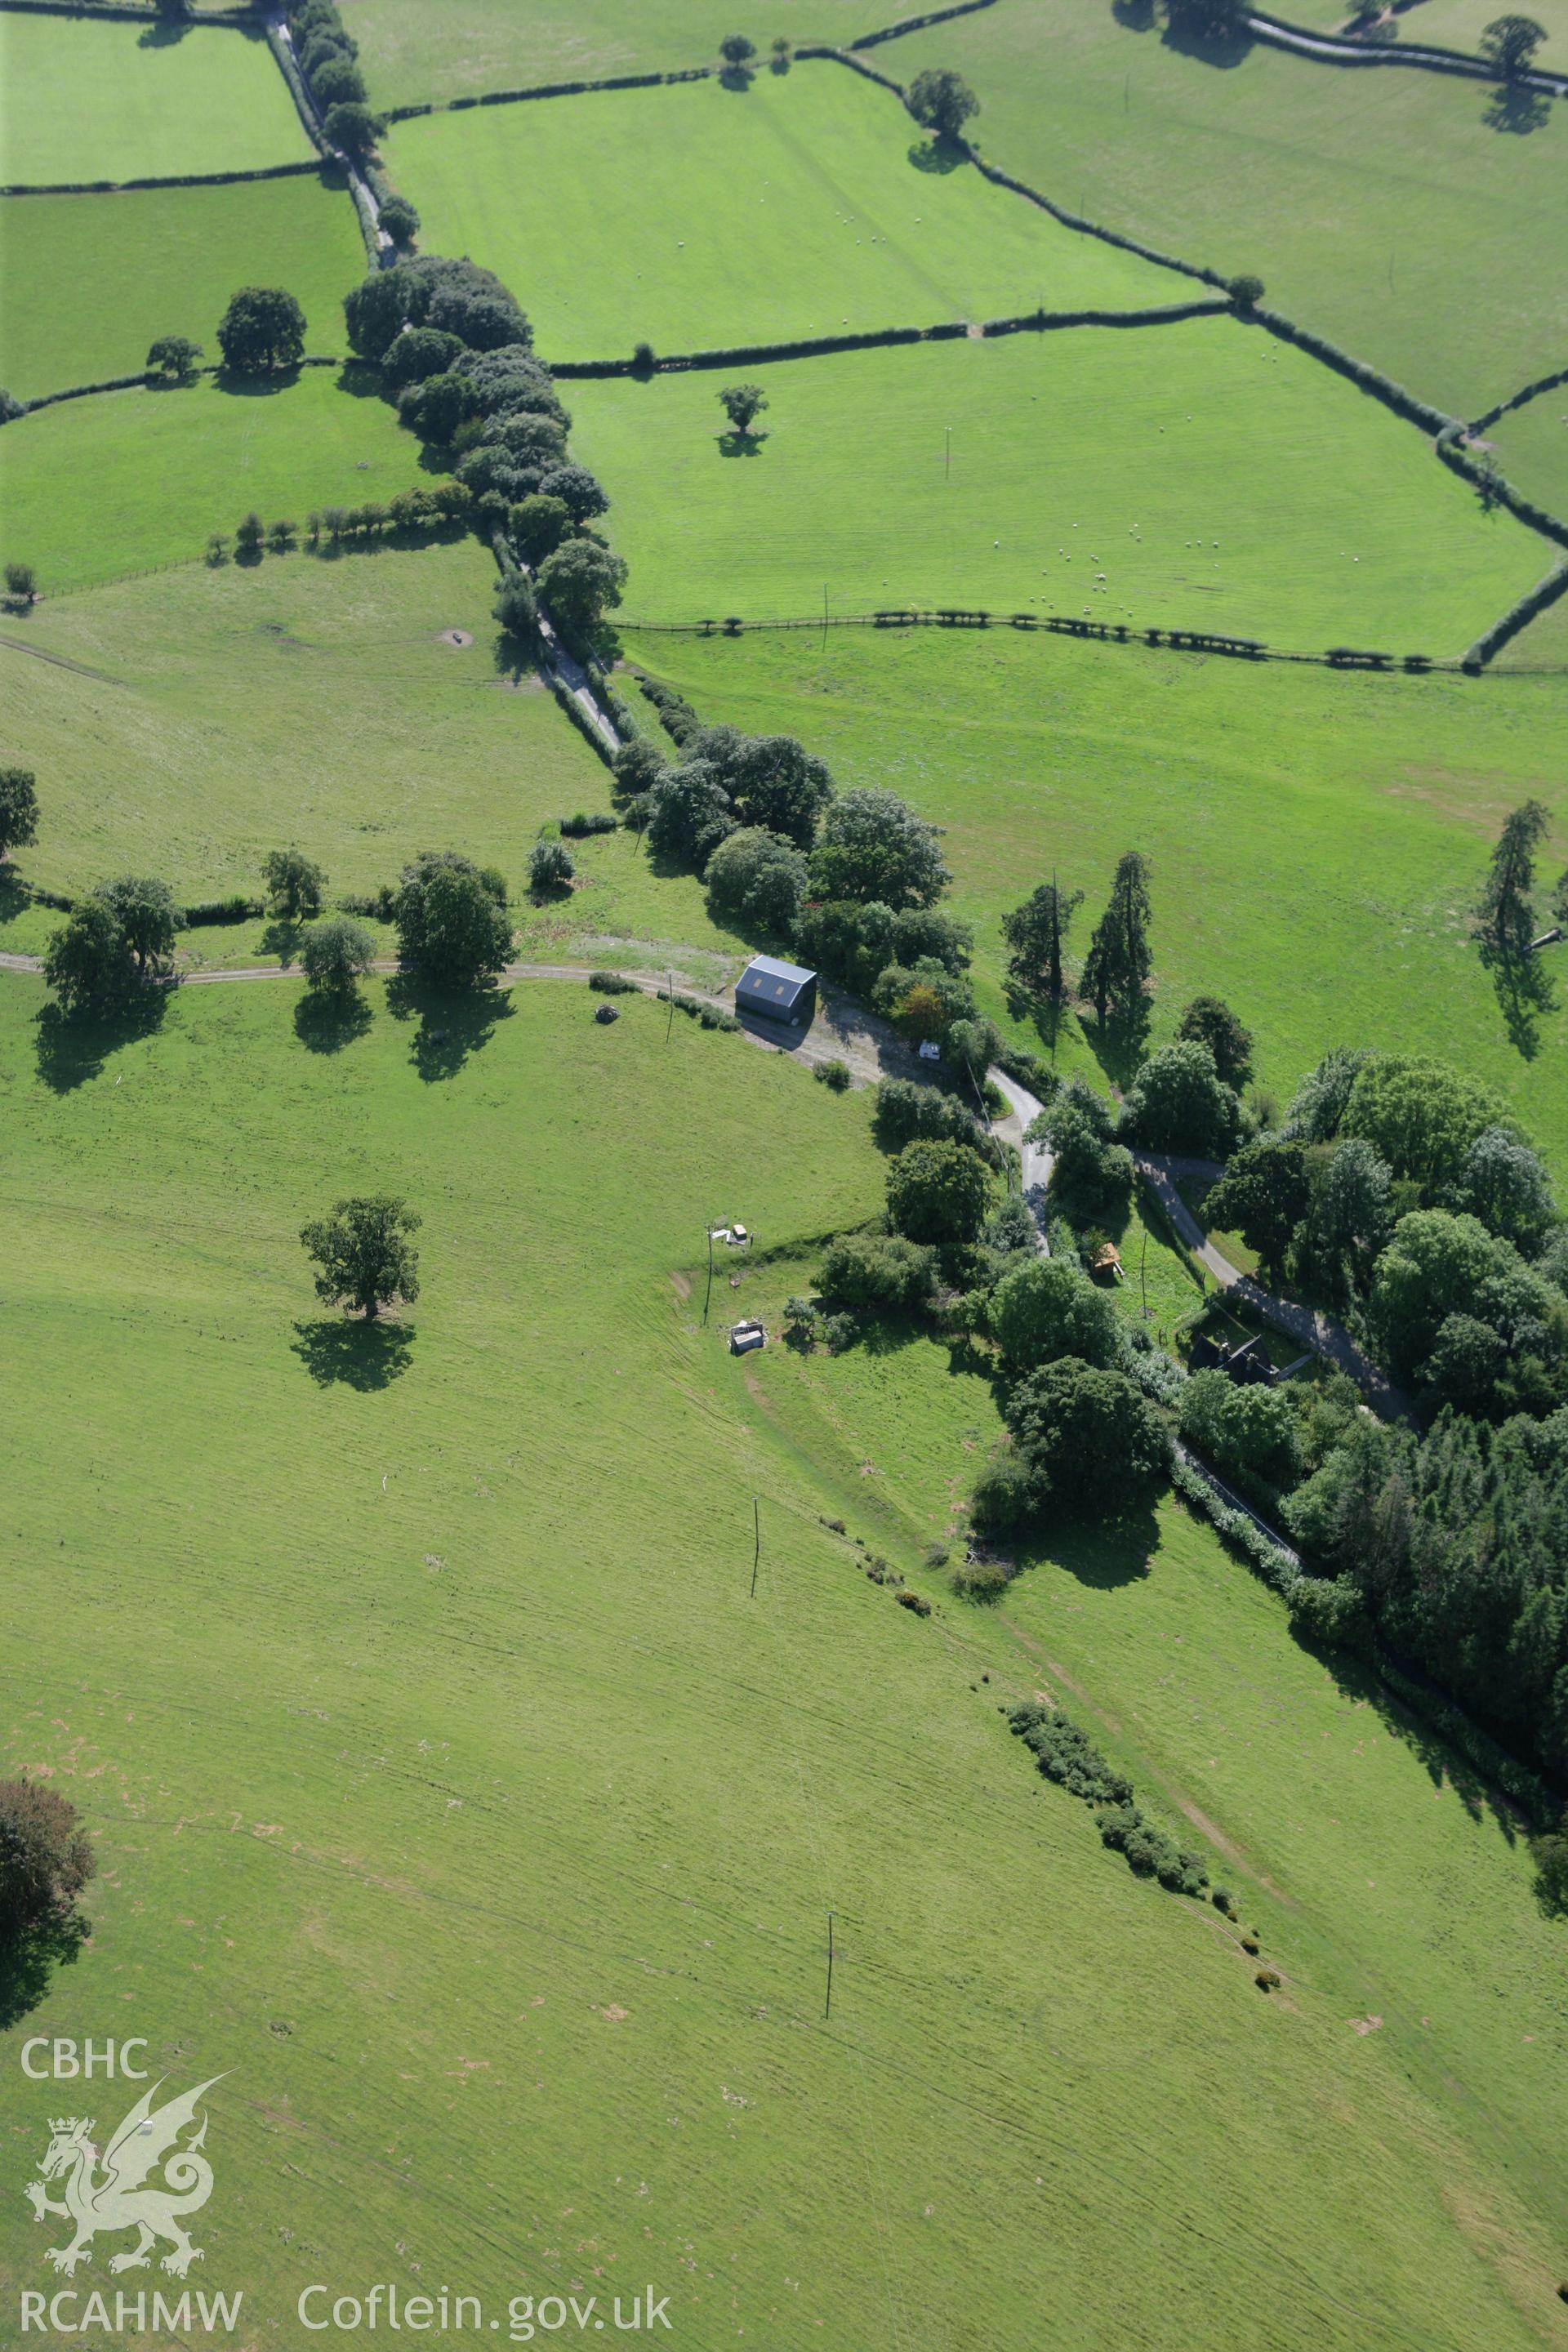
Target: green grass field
[
  {"x": 1381, "y": 207},
  {"x": 99, "y": 488},
  {"x": 1449, "y": 23},
  {"x": 450, "y": 1792},
  {"x": 411, "y": 55},
  {"x": 1531, "y": 444},
  {"x": 698, "y": 216},
  {"x": 1092, "y": 472},
  {"x": 1316, "y": 839},
  {"x": 92, "y": 280},
  {"x": 166, "y": 719},
  {"x": 106, "y": 99}
]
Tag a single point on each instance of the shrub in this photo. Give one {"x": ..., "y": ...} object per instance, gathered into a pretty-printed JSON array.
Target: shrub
[
  {"x": 550, "y": 867},
  {"x": 1048, "y": 1309},
  {"x": 758, "y": 878},
  {"x": 839, "y": 1331},
  {"x": 979, "y": 1579},
  {"x": 914, "y": 1601},
  {"x": 295, "y": 884},
  {"x": 1087, "y": 1436},
  {"x": 586, "y": 822},
  {"x": 1246, "y": 1433},
  {"x": 938, "y": 1192},
  {"x": 878, "y": 1271},
  {"x": 1267, "y": 1980},
  {"x": 44, "y": 1858},
  {"x": 836, "y": 1075},
  {"x": 334, "y": 954},
  {"x": 612, "y": 983},
  {"x": 22, "y": 583},
  {"x": 400, "y": 219},
  {"x": 906, "y": 1111},
  {"x": 1178, "y": 1102}
]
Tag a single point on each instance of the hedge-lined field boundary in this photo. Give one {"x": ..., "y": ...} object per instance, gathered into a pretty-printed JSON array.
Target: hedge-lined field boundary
[
  {"x": 169, "y": 180},
  {"x": 1393, "y": 395},
  {"x": 1061, "y": 625},
  {"x": 1330, "y": 48},
  {"x": 142, "y": 381},
  {"x": 1028, "y": 322},
  {"x": 919, "y": 23},
  {"x": 1521, "y": 399},
  {"x": 225, "y": 19},
  {"x": 532, "y": 90}
]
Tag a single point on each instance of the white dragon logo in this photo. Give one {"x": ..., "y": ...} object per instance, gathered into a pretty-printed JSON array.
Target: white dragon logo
[{"x": 117, "y": 2200}]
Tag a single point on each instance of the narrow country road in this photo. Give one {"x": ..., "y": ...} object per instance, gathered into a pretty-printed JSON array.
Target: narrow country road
[
  {"x": 1036, "y": 1160},
  {"x": 1307, "y": 1326}
]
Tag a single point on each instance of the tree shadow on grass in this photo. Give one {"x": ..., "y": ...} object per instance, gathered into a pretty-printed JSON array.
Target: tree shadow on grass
[
  {"x": 282, "y": 938},
  {"x": 73, "y": 1048},
  {"x": 1117, "y": 1043},
  {"x": 453, "y": 1023},
  {"x": 739, "y": 445},
  {"x": 1517, "y": 111},
  {"x": 354, "y": 1354},
  {"x": 1524, "y": 992},
  {"x": 28, "y": 1963},
  {"x": 327, "y": 1022},
  {"x": 1135, "y": 16},
  {"x": 1105, "y": 1551},
  {"x": 1443, "y": 1765},
  {"x": 938, "y": 155},
  {"x": 1224, "y": 48},
  {"x": 241, "y": 383}
]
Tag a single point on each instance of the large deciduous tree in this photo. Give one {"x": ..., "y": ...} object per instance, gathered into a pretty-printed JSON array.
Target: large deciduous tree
[
  {"x": 262, "y": 331},
  {"x": 18, "y": 809},
  {"x": 874, "y": 847},
  {"x": 451, "y": 919},
  {"x": 364, "y": 1254},
  {"x": 942, "y": 101}
]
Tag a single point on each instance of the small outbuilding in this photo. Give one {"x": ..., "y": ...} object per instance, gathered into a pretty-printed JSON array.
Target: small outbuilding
[
  {"x": 745, "y": 1336},
  {"x": 778, "y": 991}
]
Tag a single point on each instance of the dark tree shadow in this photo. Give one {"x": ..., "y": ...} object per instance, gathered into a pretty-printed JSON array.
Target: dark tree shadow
[
  {"x": 73, "y": 1048},
  {"x": 363, "y": 382},
  {"x": 1443, "y": 1765},
  {"x": 1135, "y": 16},
  {"x": 327, "y": 1022},
  {"x": 453, "y": 1023},
  {"x": 282, "y": 938},
  {"x": 354, "y": 1353},
  {"x": 1223, "y": 48},
  {"x": 1105, "y": 1553},
  {"x": 14, "y": 896},
  {"x": 165, "y": 34},
  {"x": 735, "y": 76},
  {"x": 514, "y": 658},
  {"x": 938, "y": 155},
  {"x": 1513, "y": 108},
  {"x": 739, "y": 445},
  {"x": 1524, "y": 992},
  {"x": 1117, "y": 1043},
  {"x": 28, "y": 1961},
  {"x": 241, "y": 384}
]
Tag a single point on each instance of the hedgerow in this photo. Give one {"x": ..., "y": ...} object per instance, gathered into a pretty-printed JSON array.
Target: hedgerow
[{"x": 1066, "y": 1755}]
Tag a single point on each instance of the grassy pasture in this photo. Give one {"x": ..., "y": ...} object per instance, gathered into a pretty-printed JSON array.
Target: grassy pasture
[
  {"x": 450, "y": 1790},
  {"x": 213, "y": 715},
  {"x": 99, "y": 488},
  {"x": 1532, "y": 446},
  {"x": 91, "y": 280},
  {"x": 1391, "y": 211},
  {"x": 1316, "y": 839},
  {"x": 1092, "y": 471},
  {"x": 697, "y": 216},
  {"x": 1449, "y": 24},
  {"x": 105, "y": 99},
  {"x": 410, "y": 55},
  {"x": 1178, "y": 1660}
]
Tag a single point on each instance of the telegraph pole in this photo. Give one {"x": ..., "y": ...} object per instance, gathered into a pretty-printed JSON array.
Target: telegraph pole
[{"x": 757, "y": 1544}]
